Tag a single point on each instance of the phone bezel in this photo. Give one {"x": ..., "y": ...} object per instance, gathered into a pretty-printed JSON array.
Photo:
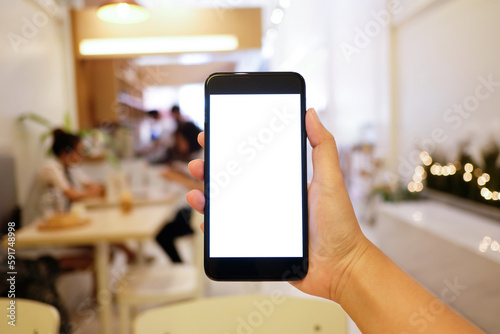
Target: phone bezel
[{"x": 260, "y": 268}]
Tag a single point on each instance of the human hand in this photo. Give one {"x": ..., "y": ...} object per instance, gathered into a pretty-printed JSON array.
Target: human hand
[
  {"x": 95, "y": 190},
  {"x": 196, "y": 198},
  {"x": 335, "y": 239}
]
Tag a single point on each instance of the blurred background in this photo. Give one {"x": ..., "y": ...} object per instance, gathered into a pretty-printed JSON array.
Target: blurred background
[{"x": 410, "y": 90}]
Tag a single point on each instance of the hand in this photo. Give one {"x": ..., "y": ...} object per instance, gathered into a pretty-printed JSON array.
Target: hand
[
  {"x": 196, "y": 198},
  {"x": 336, "y": 241},
  {"x": 95, "y": 190}
]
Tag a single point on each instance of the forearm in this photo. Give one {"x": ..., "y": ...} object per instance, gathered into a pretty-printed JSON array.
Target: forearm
[
  {"x": 381, "y": 298},
  {"x": 88, "y": 192},
  {"x": 75, "y": 195},
  {"x": 186, "y": 180},
  {"x": 190, "y": 183}
]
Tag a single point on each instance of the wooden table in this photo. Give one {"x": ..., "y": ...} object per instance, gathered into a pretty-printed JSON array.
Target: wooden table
[
  {"x": 144, "y": 197},
  {"x": 107, "y": 225}
]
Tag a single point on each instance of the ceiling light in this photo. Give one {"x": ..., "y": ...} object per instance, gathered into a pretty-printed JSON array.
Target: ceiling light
[
  {"x": 122, "y": 11},
  {"x": 157, "y": 45},
  {"x": 195, "y": 58}
]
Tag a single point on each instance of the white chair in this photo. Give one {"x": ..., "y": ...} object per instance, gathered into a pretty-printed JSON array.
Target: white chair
[
  {"x": 256, "y": 314},
  {"x": 149, "y": 285},
  {"x": 30, "y": 317}
]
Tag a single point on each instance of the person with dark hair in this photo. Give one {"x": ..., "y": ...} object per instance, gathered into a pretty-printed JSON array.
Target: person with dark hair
[
  {"x": 63, "y": 173},
  {"x": 185, "y": 143},
  {"x": 57, "y": 183},
  {"x": 155, "y": 127},
  {"x": 159, "y": 136},
  {"x": 154, "y": 114},
  {"x": 186, "y": 148},
  {"x": 175, "y": 109},
  {"x": 59, "y": 179},
  {"x": 175, "y": 112}
]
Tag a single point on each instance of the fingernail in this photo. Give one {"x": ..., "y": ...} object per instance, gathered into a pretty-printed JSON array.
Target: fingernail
[{"x": 314, "y": 114}]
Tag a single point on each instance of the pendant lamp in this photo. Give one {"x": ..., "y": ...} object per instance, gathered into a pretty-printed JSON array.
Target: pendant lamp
[{"x": 122, "y": 11}]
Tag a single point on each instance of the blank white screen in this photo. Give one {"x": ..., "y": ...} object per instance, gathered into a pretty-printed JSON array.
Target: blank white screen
[{"x": 255, "y": 176}]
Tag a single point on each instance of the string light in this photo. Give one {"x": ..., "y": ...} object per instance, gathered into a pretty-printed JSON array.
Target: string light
[
  {"x": 495, "y": 246},
  {"x": 426, "y": 158},
  {"x": 415, "y": 186},
  {"x": 486, "y": 193},
  {"x": 420, "y": 174},
  {"x": 495, "y": 196},
  {"x": 411, "y": 186},
  {"x": 450, "y": 169},
  {"x": 489, "y": 243},
  {"x": 436, "y": 169},
  {"x": 467, "y": 177},
  {"x": 481, "y": 181},
  {"x": 419, "y": 170},
  {"x": 419, "y": 186}
]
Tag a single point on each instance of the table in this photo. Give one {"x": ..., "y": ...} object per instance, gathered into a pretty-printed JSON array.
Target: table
[
  {"x": 140, "y": 197},
  {"x": 108, "y": 225}
]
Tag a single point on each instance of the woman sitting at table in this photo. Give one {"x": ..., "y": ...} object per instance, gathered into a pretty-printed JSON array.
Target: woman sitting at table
[
  {"x": 59, "y": 181},
  {"x": 185, "y": 149},
  {"x": 63, "y": 174}
]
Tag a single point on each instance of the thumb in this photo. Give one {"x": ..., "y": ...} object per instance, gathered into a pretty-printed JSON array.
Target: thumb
[{"x": 326, "y": 167}]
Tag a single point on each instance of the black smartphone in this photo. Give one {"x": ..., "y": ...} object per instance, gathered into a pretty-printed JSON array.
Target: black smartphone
[{"x": 256, "y": 220}]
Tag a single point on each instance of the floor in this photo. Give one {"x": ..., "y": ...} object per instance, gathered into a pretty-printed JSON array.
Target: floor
[{"x": 83, "y": 309}]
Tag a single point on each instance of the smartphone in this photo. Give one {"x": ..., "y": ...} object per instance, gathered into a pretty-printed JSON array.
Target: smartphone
[{"x": 256, "y": 220}]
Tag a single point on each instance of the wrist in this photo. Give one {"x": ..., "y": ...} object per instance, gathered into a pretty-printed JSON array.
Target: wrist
[{"x": 353, "y": 261}]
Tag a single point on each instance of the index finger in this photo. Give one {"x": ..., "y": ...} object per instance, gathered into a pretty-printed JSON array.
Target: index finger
[{"x": 201, "y": 139}]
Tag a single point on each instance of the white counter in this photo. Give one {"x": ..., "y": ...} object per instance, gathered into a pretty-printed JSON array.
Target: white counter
[{"x": 438, "y": 244}]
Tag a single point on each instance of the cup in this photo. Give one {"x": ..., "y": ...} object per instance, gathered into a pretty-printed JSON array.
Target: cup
[{"x": 126, "y": 202}]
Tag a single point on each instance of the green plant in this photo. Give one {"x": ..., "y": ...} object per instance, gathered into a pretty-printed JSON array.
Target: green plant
[{"x": 108, "y": 141}]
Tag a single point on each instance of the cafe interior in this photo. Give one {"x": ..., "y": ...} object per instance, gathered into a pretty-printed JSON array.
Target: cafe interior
[{"x": 409, "y": 89}]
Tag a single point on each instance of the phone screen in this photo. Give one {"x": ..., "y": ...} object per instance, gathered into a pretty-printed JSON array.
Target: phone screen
[{"x": 255, "y": 176}]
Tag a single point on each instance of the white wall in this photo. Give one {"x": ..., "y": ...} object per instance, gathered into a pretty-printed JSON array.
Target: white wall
[
  {"x": 441, "y": 54},
  {"x": 302, "y": 44},
  {"x": 34, "y": 77},
  {"x": 359, "y": 93},
  {"x": 351, "y": 88}
]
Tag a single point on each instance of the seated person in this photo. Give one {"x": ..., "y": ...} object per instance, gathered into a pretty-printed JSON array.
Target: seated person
[
  {"x": 62, "y": 172},
  {"x": 160, "y": 130},
  {"x": 59, "y": 182},
  {"x": 186, "y": 147},
  {"x": 60, "y": 178}
]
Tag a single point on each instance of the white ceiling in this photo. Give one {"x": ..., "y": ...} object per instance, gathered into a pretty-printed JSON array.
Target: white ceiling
[
  {"x": 194, "y": 3},
  {"x": 247, "y": 60}
]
